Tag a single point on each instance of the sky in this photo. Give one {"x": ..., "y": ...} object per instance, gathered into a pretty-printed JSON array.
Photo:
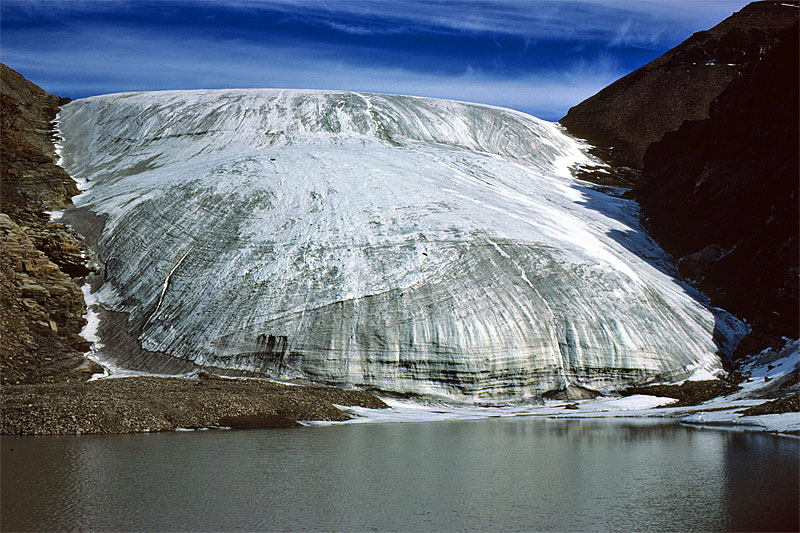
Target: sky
[{"x": 537, "y": 56}]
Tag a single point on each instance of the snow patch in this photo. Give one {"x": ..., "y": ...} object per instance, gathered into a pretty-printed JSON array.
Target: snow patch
[
  {"x": 768, "y": 366},
  {"x": 702, "y": 372},
  {"x": 433, "y": 411},
  {"x": 779, "y": 423}
]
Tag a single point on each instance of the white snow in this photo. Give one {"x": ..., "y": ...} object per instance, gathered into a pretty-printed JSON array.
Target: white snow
[
  {"x": 57, "y": 142},
  {"x": 780, "y": 423},
  {"x": 402, "y": 243},
  {"x": 89, "y": 331},
  {"x": 764, "y": 369},
  {"x": 432, "y": 411},
  {"x": 702, "y": 372},
  {"x": 638, "y": 406},
  {"x": 111, "y": 368}
]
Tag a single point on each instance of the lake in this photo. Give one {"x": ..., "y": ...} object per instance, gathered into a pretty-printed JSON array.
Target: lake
[{"x": 507, "y": 474}]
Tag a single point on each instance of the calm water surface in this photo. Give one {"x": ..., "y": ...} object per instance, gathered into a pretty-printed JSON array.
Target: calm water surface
[{"x": 492, "y": 474}]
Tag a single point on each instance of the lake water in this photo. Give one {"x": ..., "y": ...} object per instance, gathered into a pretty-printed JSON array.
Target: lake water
[{"x": 491, "y": 474}]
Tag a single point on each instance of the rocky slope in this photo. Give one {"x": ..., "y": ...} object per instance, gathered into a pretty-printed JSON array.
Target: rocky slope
[
  {"x": 713, "y": 126},
  {"x": 623, "y": 119},
  {"x": 722, "y": 194},
  {"x": 41, "y": 307}
]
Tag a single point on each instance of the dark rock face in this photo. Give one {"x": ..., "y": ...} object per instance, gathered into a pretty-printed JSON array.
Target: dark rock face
[
  {"x": 722, "y": 193},
  {"x": 41, "y": 307},
  {"x": 623, "y": 119},
  {"x": 32, "y": 182}
]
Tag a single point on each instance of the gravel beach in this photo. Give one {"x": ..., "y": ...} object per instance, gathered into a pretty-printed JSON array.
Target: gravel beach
[{"x": 141, "y": 404}]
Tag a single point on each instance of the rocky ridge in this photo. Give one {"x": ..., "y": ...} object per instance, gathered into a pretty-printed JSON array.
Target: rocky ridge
[
  {"x": 623, "y": 119},
  {"x": 41, "y": 306},
  {"x": 711, "y": 129},
  {"x": 721, "y": 194},
  {"x": 42, "y": 315}
]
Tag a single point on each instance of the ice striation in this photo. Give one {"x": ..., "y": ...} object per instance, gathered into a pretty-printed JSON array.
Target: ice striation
[{"x": 401, "y": 243}]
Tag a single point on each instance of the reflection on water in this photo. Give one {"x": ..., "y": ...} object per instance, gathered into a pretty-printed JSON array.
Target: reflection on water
[{"x": 495, "y": 474}]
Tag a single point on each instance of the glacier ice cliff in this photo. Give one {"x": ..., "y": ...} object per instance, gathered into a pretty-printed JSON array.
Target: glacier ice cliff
[{"x": 402, "y": 243}]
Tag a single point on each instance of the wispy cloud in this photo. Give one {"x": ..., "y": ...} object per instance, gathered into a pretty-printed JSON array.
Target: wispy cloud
[
  {"x": 642, "y": 22},
  {"x": 159, "y": 63},
  {"x": 538, "y": 57}
]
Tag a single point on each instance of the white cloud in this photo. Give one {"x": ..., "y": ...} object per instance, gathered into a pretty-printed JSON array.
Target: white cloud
[
  {"x": 159, "y": 63},
  {"x": 632, "y": 22},
  {"x": 641, "y": 21}
]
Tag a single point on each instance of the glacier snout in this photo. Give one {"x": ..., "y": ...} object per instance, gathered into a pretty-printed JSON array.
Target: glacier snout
[{"x": 401, "y": 243}]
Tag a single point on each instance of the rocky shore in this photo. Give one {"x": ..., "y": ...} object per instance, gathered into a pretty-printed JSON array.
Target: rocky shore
[
  {"x": 146, "y": 404},
  {"x": 43, "y": 369}
]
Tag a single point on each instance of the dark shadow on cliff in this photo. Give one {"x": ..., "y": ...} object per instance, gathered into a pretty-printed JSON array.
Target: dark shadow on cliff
[{"x": 721, "y": 195}]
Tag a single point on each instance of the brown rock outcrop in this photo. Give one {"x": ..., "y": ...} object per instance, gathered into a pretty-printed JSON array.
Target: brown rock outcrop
[
  {"x": 41, "y": 307},
  {"x": 623, "y": 119},
  {"x": 32, "y": 182}
]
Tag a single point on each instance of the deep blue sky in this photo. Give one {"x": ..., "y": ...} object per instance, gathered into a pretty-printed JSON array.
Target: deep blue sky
[{"x": 540, "y": 57}]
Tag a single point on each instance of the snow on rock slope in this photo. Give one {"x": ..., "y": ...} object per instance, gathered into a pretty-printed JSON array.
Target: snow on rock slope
[{"x": 402, "y": 243}]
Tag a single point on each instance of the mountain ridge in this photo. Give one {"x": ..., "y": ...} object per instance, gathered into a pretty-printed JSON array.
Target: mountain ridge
[
  {"x": 718, "y": 183},
  {"x": 624, "y": 118},
  {"x": 722, "y": 194},
  {"x": 41, "y": 306}
]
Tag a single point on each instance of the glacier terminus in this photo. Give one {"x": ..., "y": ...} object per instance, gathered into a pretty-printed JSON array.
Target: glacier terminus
[{"x": 392, "y": 242}]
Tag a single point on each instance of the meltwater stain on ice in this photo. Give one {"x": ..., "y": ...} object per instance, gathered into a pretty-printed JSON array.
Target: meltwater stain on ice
[{"x": 401, "y": 243}]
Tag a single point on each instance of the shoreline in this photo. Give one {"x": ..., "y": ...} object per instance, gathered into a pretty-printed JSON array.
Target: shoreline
[
  {"x": 763, "y": 399},
  {"x": 726, "y": 414},
  {"x": 141, "y": 404},
  {"x": 146, "y": 404}
]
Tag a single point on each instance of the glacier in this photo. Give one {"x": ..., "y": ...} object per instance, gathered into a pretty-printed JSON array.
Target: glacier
[{"x": 399, "y": 243}]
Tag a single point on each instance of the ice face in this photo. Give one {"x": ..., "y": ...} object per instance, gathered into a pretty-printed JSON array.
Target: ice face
[{"x": 402, "y": 243}]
